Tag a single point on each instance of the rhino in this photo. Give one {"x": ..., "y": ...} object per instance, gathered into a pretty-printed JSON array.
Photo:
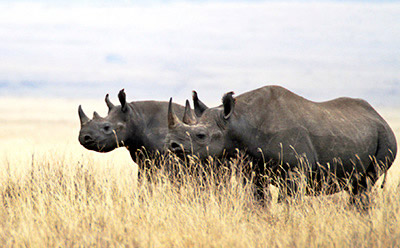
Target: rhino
[
  {"x": 343, "y": 139},
  {"x": 135, "y": 125}
]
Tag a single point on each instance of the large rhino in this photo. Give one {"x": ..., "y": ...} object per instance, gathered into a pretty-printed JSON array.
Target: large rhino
[
  {"x": 343, "y": 139},
  {"x": 135, "y": 125}
]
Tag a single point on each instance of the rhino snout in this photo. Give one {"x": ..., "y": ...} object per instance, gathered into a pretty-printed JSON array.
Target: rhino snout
[
  {"x": 87, "y": 138},
  {"x": 175, "y": 147}
]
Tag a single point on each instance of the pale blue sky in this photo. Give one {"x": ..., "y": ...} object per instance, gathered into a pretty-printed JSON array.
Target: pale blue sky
[{"x": 320, "y": 49}]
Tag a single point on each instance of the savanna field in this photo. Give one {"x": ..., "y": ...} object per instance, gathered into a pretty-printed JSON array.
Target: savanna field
[{"x": 55, "y": 193}]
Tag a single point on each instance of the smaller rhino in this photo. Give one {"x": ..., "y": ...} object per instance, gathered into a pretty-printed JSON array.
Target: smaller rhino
[{"x": 135, "y": 125}]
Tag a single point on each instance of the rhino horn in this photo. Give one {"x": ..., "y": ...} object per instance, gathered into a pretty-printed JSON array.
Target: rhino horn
[
  {"x": 173, "y": 120},
  {"x": 82, "y": 116},
  {"x": 109, "y": 103},
  {"x": 198, "y": 105},
  {"x": 188, "y": 116},
  {"x": 96, "y": 116}
]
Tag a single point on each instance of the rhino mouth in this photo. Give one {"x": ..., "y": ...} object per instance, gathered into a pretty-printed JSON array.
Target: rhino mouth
[
  {"x": 178, "y": 150},
  {"x": 179, "y": 153},
  {"x": 176, "y": 147},
  {"x": 92, "y": 145},
  {"x": 97, "y": 146}
]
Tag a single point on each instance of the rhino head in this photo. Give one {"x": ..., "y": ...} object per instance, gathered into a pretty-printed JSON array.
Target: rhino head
[
  {"x": 105, "y": 134},
  {"x": 207, "y": 135}
]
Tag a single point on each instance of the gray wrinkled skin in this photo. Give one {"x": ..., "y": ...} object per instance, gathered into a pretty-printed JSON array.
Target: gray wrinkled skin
[
  {"x": 135, "y": 125},
  {"x": 280, "y": 128}
]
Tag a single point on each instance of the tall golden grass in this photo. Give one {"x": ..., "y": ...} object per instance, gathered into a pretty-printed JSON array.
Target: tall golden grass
[{"x": 55, "y": 193}]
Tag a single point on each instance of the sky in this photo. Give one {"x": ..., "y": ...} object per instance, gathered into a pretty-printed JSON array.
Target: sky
[{"x": 161, "y": 49}]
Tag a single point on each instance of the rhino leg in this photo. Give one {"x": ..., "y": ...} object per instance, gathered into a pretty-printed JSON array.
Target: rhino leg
[
  {"x": 139, "y": 158},
  {"x": 300, "y": 175},
  {"x": 262, "y": 190},
  {"x": 290, "y": 185},
  {"x": 359, "y": 193},
  {"x": 361, "y": 186},
  {"x": 381, "y": 162}
]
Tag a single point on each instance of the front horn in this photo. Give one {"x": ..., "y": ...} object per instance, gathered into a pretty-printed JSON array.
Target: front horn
[
  {"x": 173, "y": 120},
  {"x": 82, "y": 116}
]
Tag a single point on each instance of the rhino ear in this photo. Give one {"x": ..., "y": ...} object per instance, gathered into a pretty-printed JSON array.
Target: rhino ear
[
  {"x": 229, "y": 104},
  {"x": 188, "y": 116},
  {"x": 199, "y": 106},
  {"x": 109, "y": 103},
  {"x": 82, "y": 116},
  {"x": 122, "y": 100},
  {"x": 173, "y": 120}
]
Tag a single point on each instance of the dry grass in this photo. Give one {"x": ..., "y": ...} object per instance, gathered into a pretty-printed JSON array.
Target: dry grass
[{"x": 53, "y": 192}]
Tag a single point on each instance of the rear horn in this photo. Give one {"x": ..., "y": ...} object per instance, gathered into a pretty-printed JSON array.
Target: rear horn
[
  {"x": 188, "y": 116},
  {"x": 96, "y": 116}
]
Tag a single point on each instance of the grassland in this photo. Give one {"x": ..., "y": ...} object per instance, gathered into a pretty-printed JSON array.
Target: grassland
[{"x": 55, "y": 193}]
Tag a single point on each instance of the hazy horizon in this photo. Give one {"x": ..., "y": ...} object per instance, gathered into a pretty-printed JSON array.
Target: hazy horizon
[{"x": 155, "y": 50}]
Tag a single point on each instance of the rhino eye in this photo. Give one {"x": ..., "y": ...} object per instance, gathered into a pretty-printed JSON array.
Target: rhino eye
[
  {"x": 107, "y": 129},
  {"x": 201, "y": 135}
]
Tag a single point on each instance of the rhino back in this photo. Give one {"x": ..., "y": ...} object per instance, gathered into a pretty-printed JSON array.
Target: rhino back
[{"x": 271, "y": 116}]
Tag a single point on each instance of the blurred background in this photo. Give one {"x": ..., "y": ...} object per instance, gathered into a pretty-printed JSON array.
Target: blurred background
[{"x": 158, "y": 49}]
